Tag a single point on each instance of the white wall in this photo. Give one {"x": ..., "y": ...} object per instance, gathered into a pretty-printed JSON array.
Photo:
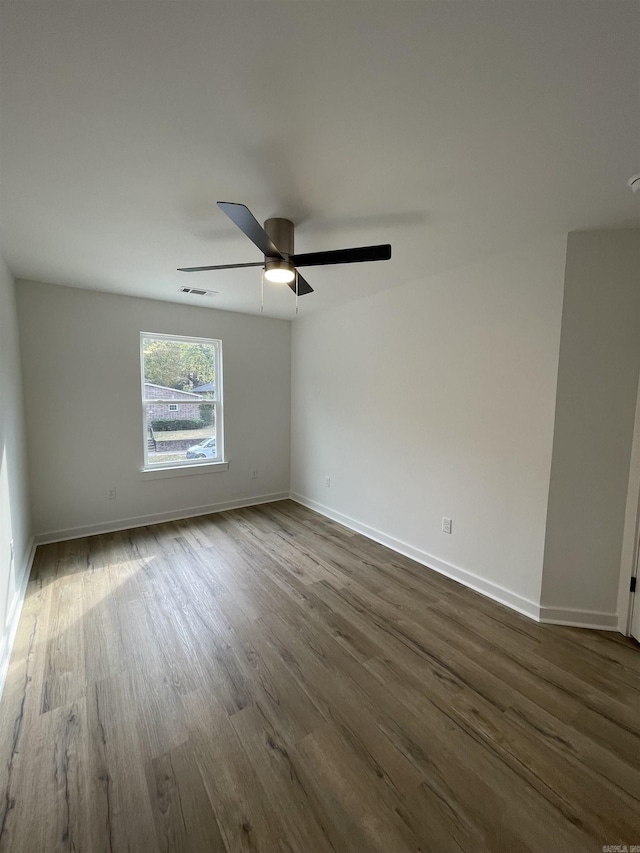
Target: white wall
[
  {"x": 80, "y": 353},
  {"x": 597, "y": 390},
  {"x": 14, "y": 505},
  {"x": 438, "y": 399}
]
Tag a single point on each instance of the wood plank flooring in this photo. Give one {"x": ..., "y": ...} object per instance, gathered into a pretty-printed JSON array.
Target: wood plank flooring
[{"x": 265, "y": 680}]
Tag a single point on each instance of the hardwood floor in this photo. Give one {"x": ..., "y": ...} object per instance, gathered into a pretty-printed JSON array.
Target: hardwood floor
[{"x": 266, "y": 680}]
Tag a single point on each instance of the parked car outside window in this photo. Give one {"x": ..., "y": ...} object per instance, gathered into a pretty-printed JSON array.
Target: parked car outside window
[{"x": 206, "y": 449}]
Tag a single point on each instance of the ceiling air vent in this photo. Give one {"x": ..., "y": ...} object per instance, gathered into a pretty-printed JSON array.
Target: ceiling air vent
[{"x": 196, "y": 292}]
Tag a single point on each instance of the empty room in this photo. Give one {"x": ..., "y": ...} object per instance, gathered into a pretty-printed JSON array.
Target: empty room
[{"x": 319, "y": 426}]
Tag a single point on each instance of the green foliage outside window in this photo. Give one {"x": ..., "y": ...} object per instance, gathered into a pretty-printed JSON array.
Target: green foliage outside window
[
  {"x": 168, "y": 425},
  {"x": 206, "y": 413},
  {"x": 177, "y": 364}
]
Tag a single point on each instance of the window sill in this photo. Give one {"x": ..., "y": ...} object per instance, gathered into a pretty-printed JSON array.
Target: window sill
[{"x": 183, "y": 470}]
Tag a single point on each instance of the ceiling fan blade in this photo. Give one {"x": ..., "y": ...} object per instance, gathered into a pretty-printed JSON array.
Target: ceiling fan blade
[
  {"x": 343, "y": 256},
  {"x": 220, "y": 267},
  {"x": 303, "y": 286},
  {"x": 241, "y": 216}
]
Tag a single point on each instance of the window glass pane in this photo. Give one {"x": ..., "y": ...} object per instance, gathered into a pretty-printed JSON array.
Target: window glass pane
[
  {"x": 178, "y": 370},
  {"x": 181, "y": 394},
  {"x": 182, "y": 435}
]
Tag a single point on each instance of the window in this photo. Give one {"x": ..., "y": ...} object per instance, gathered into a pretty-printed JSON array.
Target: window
[{"x": 181, "y": 400}]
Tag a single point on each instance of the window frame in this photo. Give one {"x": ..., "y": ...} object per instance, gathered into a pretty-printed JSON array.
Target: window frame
[{"x": 183, "y": 466}]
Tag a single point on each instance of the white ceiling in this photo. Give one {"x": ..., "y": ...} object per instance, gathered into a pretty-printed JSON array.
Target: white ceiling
[{"x": 449, "y": 129}]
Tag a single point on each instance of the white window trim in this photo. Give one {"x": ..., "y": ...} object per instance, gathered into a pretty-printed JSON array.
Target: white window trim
[
  {"x": 197, "y": 467},
  {"x": 187, "y": 466}
]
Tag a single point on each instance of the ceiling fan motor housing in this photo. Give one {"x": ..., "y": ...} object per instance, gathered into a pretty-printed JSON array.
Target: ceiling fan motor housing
[{"x": 281, "y": 233}]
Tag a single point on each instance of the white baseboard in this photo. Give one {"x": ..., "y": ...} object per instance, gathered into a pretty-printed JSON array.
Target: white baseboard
[
  {"x": 579, "y": 618},
  {"x": 13, "y": 617},
  {"x": 156, "y": 518},
  {"x": 456, "y": 573}
]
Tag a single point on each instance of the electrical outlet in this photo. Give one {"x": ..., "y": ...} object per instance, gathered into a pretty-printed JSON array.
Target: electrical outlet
[
  {"x": 446, "y": 525},
  {"x": 254, "y": 474},
  {"x": 327, "y": 482},
  {"x": 111, "y": 494}
]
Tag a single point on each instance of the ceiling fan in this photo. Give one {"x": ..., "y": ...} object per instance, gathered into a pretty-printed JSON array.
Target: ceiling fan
[{"x": 275, "y": 241}]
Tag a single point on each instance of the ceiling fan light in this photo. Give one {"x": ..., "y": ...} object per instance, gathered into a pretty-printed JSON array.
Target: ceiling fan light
[{"x": 279, "y": 272}]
